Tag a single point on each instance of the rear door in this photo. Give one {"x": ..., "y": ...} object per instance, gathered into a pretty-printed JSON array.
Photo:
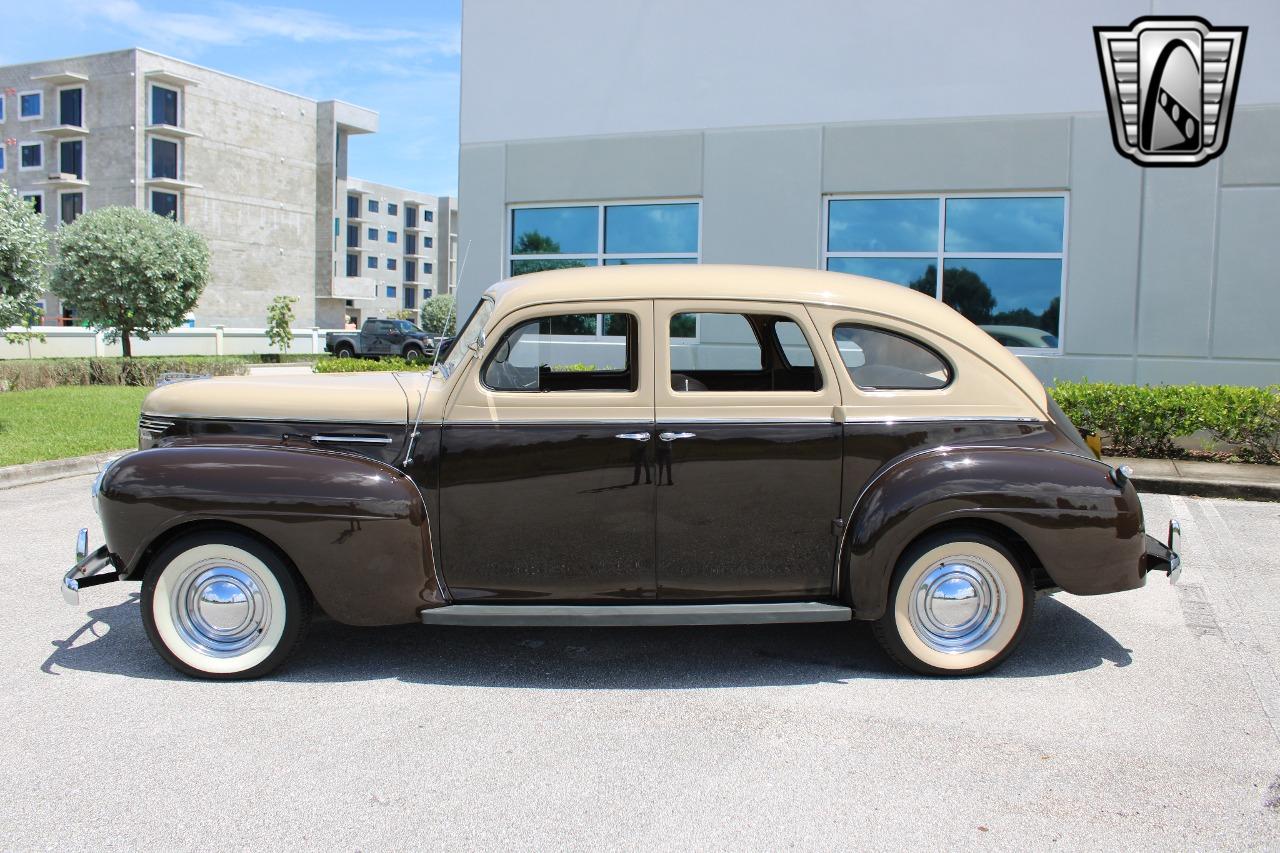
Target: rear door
[
  {"x": 546, "y": 472},
  {"x": 748, "y": 456}
]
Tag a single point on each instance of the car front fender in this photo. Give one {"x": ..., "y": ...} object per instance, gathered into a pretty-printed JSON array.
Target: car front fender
[
  {"x": 356, "y": 529},
  {"x": 1083, "y": 527}
]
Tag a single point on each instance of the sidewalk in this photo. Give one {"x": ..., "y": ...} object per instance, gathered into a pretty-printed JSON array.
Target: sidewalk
[{"x": 1203, "y": 479}]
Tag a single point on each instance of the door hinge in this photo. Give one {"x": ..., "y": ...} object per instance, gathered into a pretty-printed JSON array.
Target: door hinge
[{"x": 837, "y": 524}]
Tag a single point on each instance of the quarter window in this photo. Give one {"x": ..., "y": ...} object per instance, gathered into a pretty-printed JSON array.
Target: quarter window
[
  {"x": 740, "y": 352},
  {"x": 545, "y": 238},
  {"x": 548, "y": 354},
  {"x": 879, "y": 360},
  {"x": 998, "y": 260}
]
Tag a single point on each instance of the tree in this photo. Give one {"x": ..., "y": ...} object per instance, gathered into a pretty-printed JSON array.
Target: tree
[
  {"x": 280, "y": 322},
  {"x": 438, "y": 315},
  {"x": 962, "y": 289},
  {"x": 24, "y": 259},
  {"x": 130, "y": 272}
]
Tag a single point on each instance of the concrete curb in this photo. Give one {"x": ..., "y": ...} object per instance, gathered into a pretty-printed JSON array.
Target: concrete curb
[
  {"x": 1202, "y": 488},
  {"x": 55, "y": 469}
]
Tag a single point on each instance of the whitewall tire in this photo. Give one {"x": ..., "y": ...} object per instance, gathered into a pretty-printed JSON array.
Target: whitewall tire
[
  {"x": 220, "y": 604},
  {"x": 959, "y": 603}
]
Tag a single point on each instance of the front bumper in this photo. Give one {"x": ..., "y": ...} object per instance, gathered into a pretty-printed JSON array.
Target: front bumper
[
  {"x": 1164, "y": 556},
  {"x": 89, "y": 570}
]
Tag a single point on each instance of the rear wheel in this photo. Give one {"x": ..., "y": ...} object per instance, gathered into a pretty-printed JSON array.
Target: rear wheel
[
  {"x": 221, "y": 605},
  {"x": 344, "y": 351},
  {"x": 959, "y": 604}
]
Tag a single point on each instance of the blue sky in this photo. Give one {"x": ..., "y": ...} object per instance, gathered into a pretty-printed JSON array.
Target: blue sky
[{"x": 398, "y": 58}]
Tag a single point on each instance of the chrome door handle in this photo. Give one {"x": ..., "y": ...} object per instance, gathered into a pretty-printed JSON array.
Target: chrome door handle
[
  {"x": 676, "y": 436},
  {"x": 350, "y": 439},
  {"x": 633, "y": 436}
]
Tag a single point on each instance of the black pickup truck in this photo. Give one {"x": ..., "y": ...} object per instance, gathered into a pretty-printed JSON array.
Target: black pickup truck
[{"x": 378, "y": 338}]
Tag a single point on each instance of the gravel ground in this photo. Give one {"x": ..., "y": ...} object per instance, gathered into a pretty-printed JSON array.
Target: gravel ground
[{"x": 1146, "y": 719}]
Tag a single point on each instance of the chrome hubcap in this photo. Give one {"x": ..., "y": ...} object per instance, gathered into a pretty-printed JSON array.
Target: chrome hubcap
[
  {"x": 220, "y": 608},
  {"x": 958, "y": 605}
]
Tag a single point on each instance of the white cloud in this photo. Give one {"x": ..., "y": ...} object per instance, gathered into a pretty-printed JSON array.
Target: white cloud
[{"x": 231, "y": 23}]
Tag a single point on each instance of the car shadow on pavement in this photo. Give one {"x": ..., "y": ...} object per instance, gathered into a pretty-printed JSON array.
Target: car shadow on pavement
[{"x": 1061, "y": 640}]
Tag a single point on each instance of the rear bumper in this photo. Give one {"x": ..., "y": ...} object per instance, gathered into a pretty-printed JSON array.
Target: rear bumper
[
  {"x": 1164, "y": 556},
  {"x": 89, "y": 570}
]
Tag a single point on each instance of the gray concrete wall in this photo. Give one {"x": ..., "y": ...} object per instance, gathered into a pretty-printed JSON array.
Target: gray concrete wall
[{"x": 1170, "y": 273}]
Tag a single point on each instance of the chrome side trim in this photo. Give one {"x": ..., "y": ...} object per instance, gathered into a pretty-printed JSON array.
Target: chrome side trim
[
  {"x": 1017, "y": 419},
  {"x": 634, "y": 614},
  {"x": 349, "y": 439},
  {"x": 549, "y": 421},
  {"x": 264, "y": 419}
]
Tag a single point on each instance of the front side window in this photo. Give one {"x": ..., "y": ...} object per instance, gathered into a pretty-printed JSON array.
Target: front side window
[
  {"x": 545, "y": 238},
  {"x": 30, "y": 105},
  {"x": 998, "y": 260},
  {"x": 547, "y": 354},
  {"x": 164, "y": 106},
  {"x": 164, "y": 159},
  {"x": 740, "y": 352},
  {"x": 164, "y": 204},
  {"x": 31, "y": 155},
  {"x": 880, "y": 360}
]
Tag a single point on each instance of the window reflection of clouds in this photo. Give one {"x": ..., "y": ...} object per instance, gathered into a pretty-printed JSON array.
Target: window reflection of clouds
[
  {"x": 1004, "y": 225},
  {"x": 883, "y": 225},
  {"x": 554, "y": 230},
  {"x": 897, "y": 270},
  {"x": 648, "y": 228},
  {"x": 1030, "y": 283}
]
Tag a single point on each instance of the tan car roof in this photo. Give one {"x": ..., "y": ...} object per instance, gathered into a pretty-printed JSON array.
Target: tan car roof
[{"x": 770, "y": 284}]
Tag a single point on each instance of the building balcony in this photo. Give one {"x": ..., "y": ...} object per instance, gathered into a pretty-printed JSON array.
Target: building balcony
[
  {"x": 168, "y": 78},
  {"x": 172, "y": 184},
  {"x": 64, "y": 131},
  {"x": 172, "y": 130},
  {"x": 65, "y": 180},
  {"x": 63, "y": 78},
  {"x": 353, "y": 287}
]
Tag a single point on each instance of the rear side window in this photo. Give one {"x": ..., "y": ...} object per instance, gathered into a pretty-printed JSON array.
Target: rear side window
[
  {"x": 879, "y": 360},
  {"x": 566, "y": 352},
  {"x": 725, "y": 351}
]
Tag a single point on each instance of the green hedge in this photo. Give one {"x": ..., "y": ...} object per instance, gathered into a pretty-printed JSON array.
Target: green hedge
[
  {"x": 364, "y": 365},
  {"x": 27, "y": 374},
  {"x": 1145, "y": 420}
]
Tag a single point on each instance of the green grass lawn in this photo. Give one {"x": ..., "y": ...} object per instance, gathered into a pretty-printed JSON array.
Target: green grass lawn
[{"x": 51, "y": 423}]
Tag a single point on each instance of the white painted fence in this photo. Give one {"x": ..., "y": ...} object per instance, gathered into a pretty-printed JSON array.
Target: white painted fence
[{"x": 70, "y": 342}]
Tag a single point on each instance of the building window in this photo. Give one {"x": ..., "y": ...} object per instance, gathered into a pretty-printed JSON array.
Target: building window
[
  {"x": 392, "y": 236},
  {"x": 426, "y": 267},
  {"x": 164, "y": 159},
  {"x": 71, "y": 107},
  {"x": 36, "y": 200},
  {"x": 391, "y": 263},
  {"x": 353, "y": 265},
  {"x": 999, "y": 259},
  {"x": 371, "y": 262},
  {"x": 410, "y": 244},
  {"x": 428, "y": 215},
  {"x": 391, "y": 291},
  {"x": 2, "y": 102},
  {"x": 2, "y": 160},
  {"x": 72, "y": 205},
  {"x": 410, "y": 297},
  {"x": 353, "y": 207},
  {"x": 373, "y": 205},
  {"x": 30, "y": 105},
  {"x": 164, "y": 106},
  {"x": 353, "y": 236},
  {"x": 30, "y": 155},
  {"x": 410, "y": 216},
  {"x": 393, "y": 209},
  {"x": 427, "y": 242},
  {"x": 71, "y": 157},
  {"x": 372, "y": 233},
  {"x": 164, "y": 204},
  {"x": 545, "y": 238}
]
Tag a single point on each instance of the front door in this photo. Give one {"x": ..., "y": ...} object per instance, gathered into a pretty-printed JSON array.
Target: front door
[
  {"x": 547, "y": 460},
  {"x": 748, "y": 456}
]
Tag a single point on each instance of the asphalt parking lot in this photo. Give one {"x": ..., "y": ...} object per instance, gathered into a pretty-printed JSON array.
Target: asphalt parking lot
[{"x": 1147, "y": 719}]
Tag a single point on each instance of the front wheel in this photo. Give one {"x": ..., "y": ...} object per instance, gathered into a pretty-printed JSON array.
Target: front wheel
[
  {"x": 222, "y": 605},
  {"x": 413, "y": 354},
  {"x": 959, "y": 604}
]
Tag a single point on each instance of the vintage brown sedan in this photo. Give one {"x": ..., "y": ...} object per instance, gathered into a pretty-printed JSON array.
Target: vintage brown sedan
[{"x": 641, "y": 445}]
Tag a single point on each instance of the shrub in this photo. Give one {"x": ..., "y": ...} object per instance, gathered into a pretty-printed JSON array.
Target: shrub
[
  {"x": 24, "y": 258},
  {"x": 365, "y": 365},
  {"x": 280, "y": 322},
  {"x": 25, "y": 374},
  {"x": 1145, "y": 420}
]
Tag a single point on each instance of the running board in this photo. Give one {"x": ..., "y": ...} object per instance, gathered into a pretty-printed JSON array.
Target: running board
[{"x": 635, "y": 614}]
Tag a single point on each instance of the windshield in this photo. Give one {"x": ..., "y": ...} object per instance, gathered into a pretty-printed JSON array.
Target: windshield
[{"x": 470, "y": 332}]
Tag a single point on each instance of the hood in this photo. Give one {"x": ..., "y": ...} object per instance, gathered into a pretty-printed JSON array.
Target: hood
[{"x": 332, "y": 397}]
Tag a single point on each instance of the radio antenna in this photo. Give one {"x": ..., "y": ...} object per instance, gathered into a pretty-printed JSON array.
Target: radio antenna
[{"x": 431, "y": 372}]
